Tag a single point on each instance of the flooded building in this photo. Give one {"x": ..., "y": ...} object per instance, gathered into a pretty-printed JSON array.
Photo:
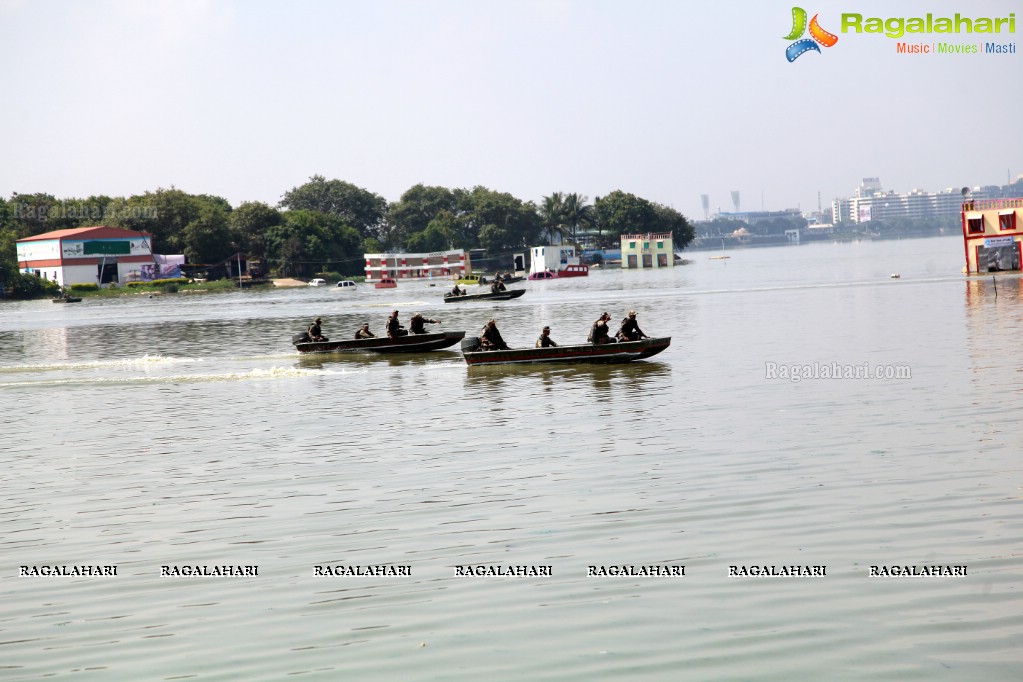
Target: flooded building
[
  {"x": 647, "y": 251},
  {"x": 400, "y": 266},
  {"x": 992, "y": 235}
]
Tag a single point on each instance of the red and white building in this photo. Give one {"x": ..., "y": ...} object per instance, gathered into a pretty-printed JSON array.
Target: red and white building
[
  {"x": 401, "y": 266},
  {"x": 86, "y": 255},
  {"x": 992, "y": 235}
]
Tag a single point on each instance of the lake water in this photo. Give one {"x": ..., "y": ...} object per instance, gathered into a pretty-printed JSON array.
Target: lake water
[{"x": 183, "y": 430}]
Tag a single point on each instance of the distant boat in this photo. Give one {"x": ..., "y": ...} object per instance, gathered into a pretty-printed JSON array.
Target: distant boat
[
  {"x": 604, "y": 353},
  {"x": 718, "y": 257},
  {"x": 471, "y": 279},
  {"x": 67, "y": 299}
]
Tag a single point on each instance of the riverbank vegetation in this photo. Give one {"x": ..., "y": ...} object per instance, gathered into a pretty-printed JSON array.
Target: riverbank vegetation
[{"x": 325, "y": 226}]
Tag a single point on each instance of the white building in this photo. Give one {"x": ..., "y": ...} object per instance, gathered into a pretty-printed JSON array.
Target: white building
[
  {"x": 86, "y": 255},
  {"x": 399, "y": 266}
]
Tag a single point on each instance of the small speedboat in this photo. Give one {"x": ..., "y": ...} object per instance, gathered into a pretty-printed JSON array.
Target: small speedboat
[
  {"x": 489, "y": 296},
  {"x": 410, "y": 343},
  {"x": 623, "y": 351}
]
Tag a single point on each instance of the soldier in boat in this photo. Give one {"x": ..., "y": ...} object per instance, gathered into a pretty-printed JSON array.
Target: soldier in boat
[
  {"x": 394, "y": 328},
  {"x": 497, "y": 287},
  {"x": 545, "y": 340},
  {"x": 315, "y": 331},
  {"x": 630, "y": 331},
  {"x": 457, "y": 291},
  {"x": 490, "y": 337},
  {"x": 417, "y": 325},
  {"x": 599, "y": 332},
  {"x": 364, "y": 332}
]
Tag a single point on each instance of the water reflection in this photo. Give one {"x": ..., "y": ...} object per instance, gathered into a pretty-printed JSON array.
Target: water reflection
[{"x": 484, "y": 379}]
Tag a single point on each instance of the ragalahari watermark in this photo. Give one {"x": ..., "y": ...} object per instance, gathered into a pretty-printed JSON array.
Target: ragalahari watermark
[{"x": 834, "y": 370}]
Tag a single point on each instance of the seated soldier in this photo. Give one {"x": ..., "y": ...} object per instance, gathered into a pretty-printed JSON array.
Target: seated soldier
[
  {"x": 490, "y": 337},
  {"x": 545, "y": 340},
  {"x": 598, "y": 331},
  {"x": 394, "y": 328},
  {"x": 364, "y": 332},
  {"x": 417, "y": 325},
  {"x": 630, "y": 331},
  {"x": 315, "y": 332}
]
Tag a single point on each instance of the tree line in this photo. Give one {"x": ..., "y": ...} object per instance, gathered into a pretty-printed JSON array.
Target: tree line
[{"x": 327, "y": 225}]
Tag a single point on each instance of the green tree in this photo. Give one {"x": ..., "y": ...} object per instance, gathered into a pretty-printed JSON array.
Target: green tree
[
  {"x": 165, "y": 214},
  {"x": 307, "y": 242},
  {"x": 621, "y": 213},
  {"x": 514, "y": 223},
  {"x": 354, "y": 206},
  {"x": 552, "y": 216},
  {"x": 249, "y": 224},
  {"x": 37, "y": 213},
  {"x": 577, "y": 214},
  {"x": 670, "y": 220},
  {"x": 415, "y": 210},
  {"x": 207, "y": 239}
]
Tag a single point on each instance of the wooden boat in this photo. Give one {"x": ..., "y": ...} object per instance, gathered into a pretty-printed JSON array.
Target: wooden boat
[
  {"x": 500, "y": 296},
  {"x": 412, "y": 343},
  {"x": 385, "y": 283},
  {"x": 625, "y": 351},
  {"x": 69, "y": 299}
]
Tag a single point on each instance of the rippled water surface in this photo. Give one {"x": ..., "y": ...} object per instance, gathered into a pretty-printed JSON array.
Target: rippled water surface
[{"x": 184, "y": 430}]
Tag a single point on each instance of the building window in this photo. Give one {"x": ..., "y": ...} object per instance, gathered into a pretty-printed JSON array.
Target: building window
[
  {"x": 1007, "y": 220},
  {"x": 660, "y": 245},
  {"x": 975, "y": 225},
  {"x": 632, "y": 245},
  {"x": 646, "y": 246}
]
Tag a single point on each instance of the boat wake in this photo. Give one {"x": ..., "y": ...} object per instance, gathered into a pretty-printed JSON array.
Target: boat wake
[
  {"x": 144, "y": 361},
  {"x": 271, "y": 373}
]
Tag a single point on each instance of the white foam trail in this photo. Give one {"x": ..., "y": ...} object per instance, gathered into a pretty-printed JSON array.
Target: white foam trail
[
  {"x": 145, "y": 360},
  {"x": 251, "y": 375}
]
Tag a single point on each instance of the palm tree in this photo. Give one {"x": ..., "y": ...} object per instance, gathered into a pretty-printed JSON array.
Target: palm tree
[
  {"x": 552, "y": 215},
  {"x": 577, "y": 213}
]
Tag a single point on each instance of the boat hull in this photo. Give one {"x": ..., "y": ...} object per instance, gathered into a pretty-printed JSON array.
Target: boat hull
[
  {"x": 608, "y": 353},
  {"x": 66, "y": 300},
  {"x": 413, "y": 343},
  {"x": 501, "y": 296}
]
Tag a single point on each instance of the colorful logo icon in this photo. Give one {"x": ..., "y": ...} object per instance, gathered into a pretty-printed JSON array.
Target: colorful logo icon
[{"x": 817, "y": 35}]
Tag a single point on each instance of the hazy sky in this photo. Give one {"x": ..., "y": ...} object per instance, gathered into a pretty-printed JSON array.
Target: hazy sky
[{"x": 665, "y": 99}]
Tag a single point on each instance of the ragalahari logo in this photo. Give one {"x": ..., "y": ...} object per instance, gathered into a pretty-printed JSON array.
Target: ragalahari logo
[{"x": 817, "y": 35}]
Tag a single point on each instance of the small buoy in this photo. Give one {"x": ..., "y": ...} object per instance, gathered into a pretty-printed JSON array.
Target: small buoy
[
  {"x": 895, "y": 275},
  {"x": 422, "y": 644}
]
